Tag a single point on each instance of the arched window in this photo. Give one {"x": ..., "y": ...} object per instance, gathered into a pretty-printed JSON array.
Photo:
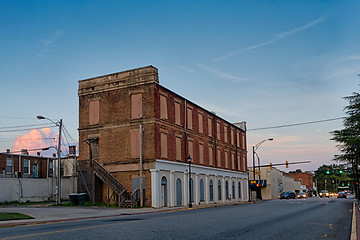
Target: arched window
[
  {"x": 239, "y": 190},
  {"x": 233, "y": 190},
  {"x": 227, "y": 190},
  {"x": 211, "y": 190},
  {"x": 202, "y": 192},
  {"x": 192, "y": 189},
  {"x": 164, "y": 192},
  {"x": 219, "y": 189},
  {"x": 178, "y": 192}
]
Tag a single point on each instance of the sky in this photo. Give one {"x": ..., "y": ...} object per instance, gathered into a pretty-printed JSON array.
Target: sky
[{"x": 269, "y": 63}]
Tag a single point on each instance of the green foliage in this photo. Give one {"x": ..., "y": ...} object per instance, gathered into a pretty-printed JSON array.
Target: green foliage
[
  {"x": 348, "y": 138},
  {"x": 333, "y": 178}
]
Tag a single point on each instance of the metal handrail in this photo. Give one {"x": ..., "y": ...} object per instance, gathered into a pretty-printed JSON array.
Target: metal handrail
[{"x": 107, "y": 177}]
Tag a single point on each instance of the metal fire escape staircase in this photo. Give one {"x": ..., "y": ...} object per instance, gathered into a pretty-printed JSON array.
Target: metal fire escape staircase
[{"x": 125, "y": 199}]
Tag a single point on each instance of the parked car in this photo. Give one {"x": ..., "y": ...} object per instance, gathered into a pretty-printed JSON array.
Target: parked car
[
  {"x": 324, "y": 193},
  {"x": 341, "y": 195},
  {"x": 302, "y": 195},
  {"x": 288, "y": 195}
]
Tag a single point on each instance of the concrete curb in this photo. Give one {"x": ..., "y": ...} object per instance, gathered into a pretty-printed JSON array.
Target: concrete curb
[{"x": 353, "y": 224}]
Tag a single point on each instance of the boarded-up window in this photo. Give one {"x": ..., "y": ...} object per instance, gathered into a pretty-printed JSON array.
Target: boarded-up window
[
  {"x": 209, "y": 126},
  {"x": 189, "y": 118},
  {"x": 226, "y": 134},
  {"x": 243, "y": 141},
  {"x": 94, "y": 112},
  {"x": 232, "y": 136},
  {"x": 201, "y": 153},
  {"x": 226, "y": 159},
  {"x": 243, "y": 163},
  {"x": 211, "y": 158},
  {"x": 177, "y": 113},
  {"x": 135, "y": 143},
  {"x": 164, "y": 145},
  {"x": 178, "y": 148},
  {"x": 218, "y": 132},
  {"x": 191, "y": 149},
  {"x": 201, "y": 128},
  {"x": 232, "y": 161},
  {"x": 136, "y": 105},
  {"x": 237, "y": 139},
  {"x": 218, "y": 158},
  {"x": 163, "y": 107}
]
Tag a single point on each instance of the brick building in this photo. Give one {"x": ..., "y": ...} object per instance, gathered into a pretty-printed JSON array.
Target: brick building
[
  {"x": 12, "y": 164},
  {"x": 304, "y": 178},
  {"x": 128, "y": 121}
]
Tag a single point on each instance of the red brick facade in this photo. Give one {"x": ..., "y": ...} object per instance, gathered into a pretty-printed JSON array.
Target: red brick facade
[
  {"x": 130, "y": 98},
  {"x": 30, "y": 166}
]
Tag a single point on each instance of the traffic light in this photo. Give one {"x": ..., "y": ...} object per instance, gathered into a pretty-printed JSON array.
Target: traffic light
[
  {"x": 333, "y": 181},
  {"x": 259, "y": 173},
  {"x": 340, "y": 171},
  {"x": 287, "y": 164},
  {"x": 270, "y": 166},
  {"x": 256, "y": 172},
  {"x": 327, "y": 171}
]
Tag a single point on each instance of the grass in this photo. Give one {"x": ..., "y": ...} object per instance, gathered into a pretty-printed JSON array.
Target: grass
[{"x": 13, "y": 216}]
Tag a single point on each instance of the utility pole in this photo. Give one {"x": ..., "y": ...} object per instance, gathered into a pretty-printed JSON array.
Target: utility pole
[
  {"x": 58, "y": 198},
  {"x": 141, "y": 167}
]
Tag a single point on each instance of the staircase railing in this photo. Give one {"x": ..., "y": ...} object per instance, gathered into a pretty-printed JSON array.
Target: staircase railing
[{"x": 109, "y": 179}]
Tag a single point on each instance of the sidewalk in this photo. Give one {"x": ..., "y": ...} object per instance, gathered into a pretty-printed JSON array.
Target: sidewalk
[{"x": 48, "y": 214}]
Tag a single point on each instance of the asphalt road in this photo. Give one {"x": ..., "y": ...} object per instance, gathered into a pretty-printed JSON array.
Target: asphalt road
[{"x": 311, "y": 218}]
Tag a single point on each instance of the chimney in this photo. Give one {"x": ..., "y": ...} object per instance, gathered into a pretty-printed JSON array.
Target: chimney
[
  {"x": 24, "y": 152},
  {"x": 38, "y": 154},
  {"x": 72, "y": 150},
  {"x": 7, "y": 150},
  {"x": 54, "y": 155}
]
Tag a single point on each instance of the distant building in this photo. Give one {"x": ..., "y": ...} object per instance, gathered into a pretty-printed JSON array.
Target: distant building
[
  {"x": 24, "y": 165},
  {"x": 274, "y": 182},
  {"x": 305, "y": 178},
  {"x": 127, "y": 118}
]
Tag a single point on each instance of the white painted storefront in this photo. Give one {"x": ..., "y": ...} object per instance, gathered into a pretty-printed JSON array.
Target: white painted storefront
[{"x": 170, "y": 185}]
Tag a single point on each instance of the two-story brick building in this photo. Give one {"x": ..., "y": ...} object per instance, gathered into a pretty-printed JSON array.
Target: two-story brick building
[
  {"x": 24, "y": 165},
  {"x": 128, "y": 121}
]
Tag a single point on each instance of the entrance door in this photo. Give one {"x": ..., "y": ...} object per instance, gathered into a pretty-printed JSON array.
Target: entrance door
[
  {"x": 178, "y": 192},
  {"x": 35, "y": 171},
  {"x": 164, "y": 192}
]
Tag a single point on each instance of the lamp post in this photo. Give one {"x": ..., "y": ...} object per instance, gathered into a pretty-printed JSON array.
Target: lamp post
[
  {"x": 254, "y": 152},
  {"x": 58, "y": 191},
  {"x": 190, "y": 202}
]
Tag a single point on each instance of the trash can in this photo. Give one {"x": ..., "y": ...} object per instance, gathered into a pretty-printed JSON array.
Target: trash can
[
  {"x": 82, "y": 198},
  {"x": 73, "y": 199}
]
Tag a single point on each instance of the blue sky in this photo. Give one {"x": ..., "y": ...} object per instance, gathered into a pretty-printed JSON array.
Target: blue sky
[{"x": 268, "y": 63}]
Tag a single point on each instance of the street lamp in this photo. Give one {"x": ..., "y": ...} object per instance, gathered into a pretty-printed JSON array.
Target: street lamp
[
  {"x": 59, "y": 124},
  {"x": 254, "y": 152},
  {"x": 190, "y": 202}
]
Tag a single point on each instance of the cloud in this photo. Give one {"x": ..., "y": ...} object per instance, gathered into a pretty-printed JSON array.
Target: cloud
[
  {"x": 277, "y": 37},
  {"x": 220, "y": 74},
  {"x": 184, "y": 68},
  {"x": 52, "y": 38}
]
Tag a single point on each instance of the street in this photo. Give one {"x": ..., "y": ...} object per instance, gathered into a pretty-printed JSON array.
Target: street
[{"x": 311, "y": 218}]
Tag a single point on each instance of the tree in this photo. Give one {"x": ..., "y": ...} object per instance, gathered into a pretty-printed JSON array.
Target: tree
[
  {"x": 328, "y": 177},
  {"x": 348, "y": 138}
]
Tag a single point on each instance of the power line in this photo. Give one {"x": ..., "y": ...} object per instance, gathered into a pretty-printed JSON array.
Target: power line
[
  {"x": 25, "y": 129},
  {"x": 25, "y": 126},
  {"x": 296, "y": 124}
]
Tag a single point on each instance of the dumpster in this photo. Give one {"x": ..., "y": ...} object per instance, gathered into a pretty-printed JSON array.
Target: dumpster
[
  {"x": 74, "y": 199},
  {"x": 82, "y": 198}
]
